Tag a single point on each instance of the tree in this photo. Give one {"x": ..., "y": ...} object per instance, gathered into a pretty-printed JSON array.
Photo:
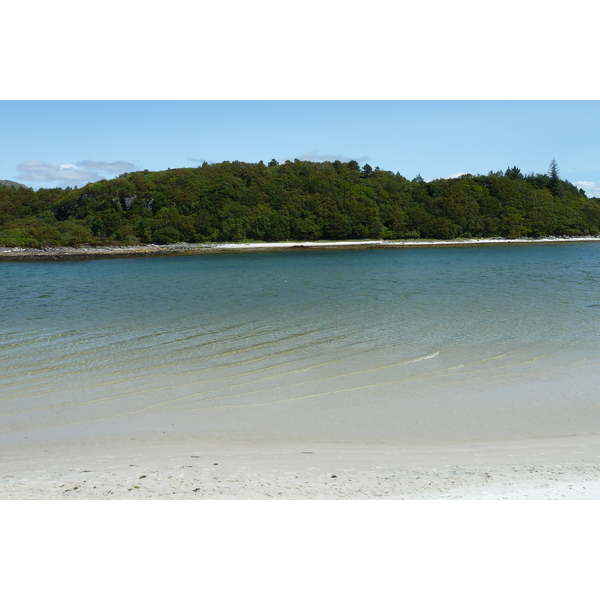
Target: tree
[
  {"x": 272, "y": 163},
  {"x": 554, "y": 182},
  {"x": 295, "y": 200},
  {"x": 367, "y": 170},
  {"x": 514, "y": 173}
]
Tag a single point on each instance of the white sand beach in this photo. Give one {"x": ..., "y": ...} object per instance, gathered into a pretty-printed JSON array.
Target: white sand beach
[
  {"x": 168, "y": 469},
  {"x": 273, "y": 419},
  {"x": 50, "y": 253}
]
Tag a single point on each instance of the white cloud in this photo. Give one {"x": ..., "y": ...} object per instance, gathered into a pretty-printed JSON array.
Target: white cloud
[
  {"x": 455, "y": 176},
  {"x": 589, "y": 187},
  {"x": 70, "y": 174},
  {"x": 37, "y": 170},
  {"x": 119, "y": 166}
]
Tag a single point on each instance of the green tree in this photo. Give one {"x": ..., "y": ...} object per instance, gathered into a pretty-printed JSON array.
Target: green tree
[
  {"x": 554, "y": 182},
  {"x": 514, "y": 173},
  {"x": 367, "y": 170},
  {"x": 295, "y": 200}
]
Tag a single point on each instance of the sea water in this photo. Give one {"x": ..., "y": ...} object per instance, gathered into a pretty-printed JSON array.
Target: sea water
[{"x": 413, "y": 345}]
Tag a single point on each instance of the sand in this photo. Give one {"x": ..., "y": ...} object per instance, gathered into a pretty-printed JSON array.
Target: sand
[
  {"x": 170, "y": 469},
  {"x": 566, "y": 468},
  {"x": 183, "y": 248}
]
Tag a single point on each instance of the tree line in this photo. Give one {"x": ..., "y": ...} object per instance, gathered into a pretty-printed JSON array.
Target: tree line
[{"x": 295, "y": 200}]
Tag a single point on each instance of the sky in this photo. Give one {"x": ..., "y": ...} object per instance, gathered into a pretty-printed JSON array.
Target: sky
[
  {"x": 60, "y": 143},
  {"x": 430, "y": 88}
]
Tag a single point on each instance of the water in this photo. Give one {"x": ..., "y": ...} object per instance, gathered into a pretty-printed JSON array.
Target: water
[{"x": 414, "y": 345}]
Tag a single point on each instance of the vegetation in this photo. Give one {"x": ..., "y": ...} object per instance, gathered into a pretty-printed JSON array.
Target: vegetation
[{"x": 297, "y": 200}]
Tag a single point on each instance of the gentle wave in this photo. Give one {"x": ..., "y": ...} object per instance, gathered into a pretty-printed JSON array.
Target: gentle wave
[{"x": 344, "y": 348}]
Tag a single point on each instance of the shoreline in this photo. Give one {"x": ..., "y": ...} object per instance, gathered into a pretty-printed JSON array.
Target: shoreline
[
  {"x": 566, "y": 468},
  {"x": 184, "y": 248}
]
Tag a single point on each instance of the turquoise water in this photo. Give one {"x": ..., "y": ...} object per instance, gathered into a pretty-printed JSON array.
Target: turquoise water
[{"x": 389, "y": 345}]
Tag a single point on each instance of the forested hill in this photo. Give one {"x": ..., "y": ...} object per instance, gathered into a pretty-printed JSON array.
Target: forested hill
[{"x": 297, "y": 200}]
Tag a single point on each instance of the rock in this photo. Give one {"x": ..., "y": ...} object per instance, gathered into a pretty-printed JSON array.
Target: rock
[{"x": 13, "y": 184}]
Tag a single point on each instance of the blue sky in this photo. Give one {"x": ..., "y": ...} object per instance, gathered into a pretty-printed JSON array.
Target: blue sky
[
  {"x": 49, "y": 143},
  {"x": 430, "y": 88}
]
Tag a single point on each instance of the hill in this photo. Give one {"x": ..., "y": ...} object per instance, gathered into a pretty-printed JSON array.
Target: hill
[
  {"x": 296, "y": 200},
  {"x": 9, "y": 183}
]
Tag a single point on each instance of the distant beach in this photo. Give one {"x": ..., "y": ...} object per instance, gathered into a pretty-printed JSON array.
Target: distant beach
[{"x": 57, "y": 253}]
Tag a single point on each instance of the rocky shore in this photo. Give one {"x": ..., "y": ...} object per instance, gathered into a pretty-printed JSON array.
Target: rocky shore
[
  {"x": 83, "y": 252},
  {"x": 66, "y": 253}
]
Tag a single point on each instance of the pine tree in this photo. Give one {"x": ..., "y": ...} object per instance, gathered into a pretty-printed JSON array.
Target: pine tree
[
  {"x": 554, "y": 178},
  {"x": 514, "y": 173},
  {"x": 367, "y": 170}
]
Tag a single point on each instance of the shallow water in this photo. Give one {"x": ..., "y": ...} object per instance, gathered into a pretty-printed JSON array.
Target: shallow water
[{"x": 387, "y": 345}]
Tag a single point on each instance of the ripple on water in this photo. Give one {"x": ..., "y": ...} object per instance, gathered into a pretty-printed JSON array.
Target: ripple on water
[{"x": 412, "y": 344}]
